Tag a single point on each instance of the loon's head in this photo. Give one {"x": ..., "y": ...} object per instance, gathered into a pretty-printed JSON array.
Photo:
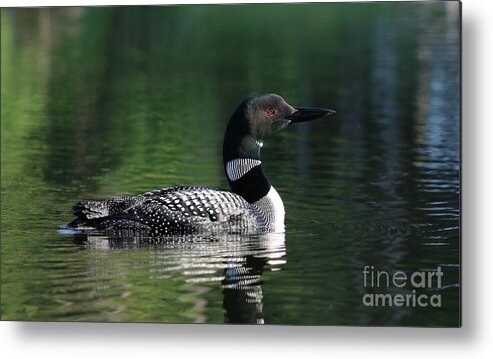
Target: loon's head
[{"x": 258, "y": 117}]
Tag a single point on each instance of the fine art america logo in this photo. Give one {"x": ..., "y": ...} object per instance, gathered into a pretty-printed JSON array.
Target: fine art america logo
[{"x": 380, "y": 282}]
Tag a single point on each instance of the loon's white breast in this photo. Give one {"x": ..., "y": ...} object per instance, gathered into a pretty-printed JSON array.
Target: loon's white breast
[{"x": 273, "y": 206}]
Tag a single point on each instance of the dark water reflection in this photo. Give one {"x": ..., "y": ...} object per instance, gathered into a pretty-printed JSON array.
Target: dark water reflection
[
  {"x": 237, "y": 262},
  {"x": 105, "y": 101}
]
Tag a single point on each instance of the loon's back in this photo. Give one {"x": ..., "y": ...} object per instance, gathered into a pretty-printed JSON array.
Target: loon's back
[{"x": 172, "y": 210}]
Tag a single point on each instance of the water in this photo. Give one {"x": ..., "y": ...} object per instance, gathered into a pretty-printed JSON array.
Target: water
[{"x": 106, "y": 101}]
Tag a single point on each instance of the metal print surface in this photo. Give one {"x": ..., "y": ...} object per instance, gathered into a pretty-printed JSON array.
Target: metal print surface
[{"x": 294, "y": 164}]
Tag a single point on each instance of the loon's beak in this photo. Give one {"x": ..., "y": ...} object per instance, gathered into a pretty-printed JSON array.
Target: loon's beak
[{"x": 303, "y": 114}]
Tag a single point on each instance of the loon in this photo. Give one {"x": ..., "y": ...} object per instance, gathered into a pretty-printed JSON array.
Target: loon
[{"x": 253, "y": 206}]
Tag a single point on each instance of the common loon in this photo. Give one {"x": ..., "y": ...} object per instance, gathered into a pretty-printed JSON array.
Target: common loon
[{"x": 253, "y": 206}]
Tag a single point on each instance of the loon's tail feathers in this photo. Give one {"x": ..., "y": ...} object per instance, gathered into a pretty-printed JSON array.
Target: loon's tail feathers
[
  {"x": 90, "y": 214},
  {"x": 100, "y": 209}
]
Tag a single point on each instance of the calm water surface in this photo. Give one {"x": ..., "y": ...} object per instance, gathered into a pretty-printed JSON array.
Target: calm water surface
[{"x": 105, "y": 101}]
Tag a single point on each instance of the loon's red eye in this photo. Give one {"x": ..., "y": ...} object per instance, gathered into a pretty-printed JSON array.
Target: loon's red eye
[{"x": 270, "y": 112}]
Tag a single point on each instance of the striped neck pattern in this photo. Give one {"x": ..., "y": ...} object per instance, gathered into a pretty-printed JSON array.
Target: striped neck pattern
[{"x": 237, "y": 168}]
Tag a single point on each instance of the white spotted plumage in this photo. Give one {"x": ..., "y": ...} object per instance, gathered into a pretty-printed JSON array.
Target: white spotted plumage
[{"x": 179, "y": 210}]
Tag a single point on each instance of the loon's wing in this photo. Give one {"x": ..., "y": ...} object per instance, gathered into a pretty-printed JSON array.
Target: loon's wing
[{"x": 193, "y": 210}]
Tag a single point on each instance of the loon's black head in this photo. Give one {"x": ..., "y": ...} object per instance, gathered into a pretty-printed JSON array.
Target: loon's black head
[{"x": 258, "y": 117}]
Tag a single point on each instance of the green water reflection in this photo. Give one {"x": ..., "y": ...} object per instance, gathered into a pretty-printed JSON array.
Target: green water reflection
[{"x": 104, "y": 101}]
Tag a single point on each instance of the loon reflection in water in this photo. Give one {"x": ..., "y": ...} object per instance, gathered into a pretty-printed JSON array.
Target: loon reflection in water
[
  {"x": 253, "y": 206},
  {"x": 237, "y": 262}
]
